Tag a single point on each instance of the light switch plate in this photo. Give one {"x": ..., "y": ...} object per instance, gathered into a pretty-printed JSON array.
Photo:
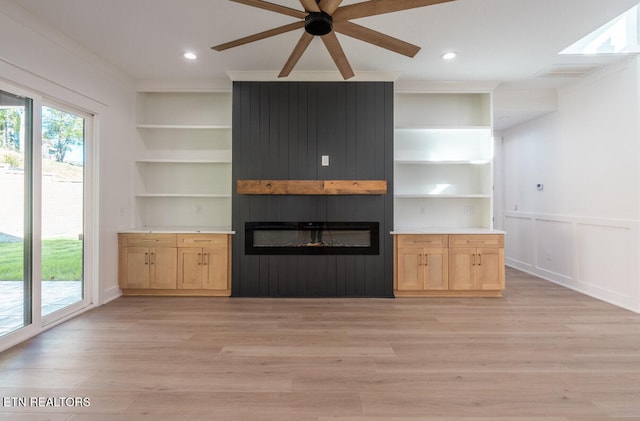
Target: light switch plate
[{"x": 325, "y": 160}]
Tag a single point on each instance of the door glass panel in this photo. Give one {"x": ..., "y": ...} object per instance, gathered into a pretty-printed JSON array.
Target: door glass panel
[
  {"x": 62, "y": 209},
  {"x": 15, "y": 208}
]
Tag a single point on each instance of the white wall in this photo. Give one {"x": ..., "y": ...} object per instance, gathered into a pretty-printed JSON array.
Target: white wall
[
  {"x": 581, "y": 230},
  {"x": 39, "y": 59}
]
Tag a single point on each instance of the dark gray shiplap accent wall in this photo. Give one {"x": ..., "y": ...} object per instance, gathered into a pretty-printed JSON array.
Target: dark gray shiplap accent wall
[{"x": 280, "y": 131}]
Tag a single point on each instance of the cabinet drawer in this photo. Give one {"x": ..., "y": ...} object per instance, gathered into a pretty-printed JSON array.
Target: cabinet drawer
[
  {"x": 201, "y": 240},
  {"x": 422, "y": 240},
  {"x": 147, "y": 240},
  {"x": 477, "y": 240}
]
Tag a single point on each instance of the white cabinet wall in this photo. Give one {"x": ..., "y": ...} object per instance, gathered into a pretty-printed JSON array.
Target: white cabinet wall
[
  {"x": 443, "y": 153},
  {"x": 183, "y": 160}
]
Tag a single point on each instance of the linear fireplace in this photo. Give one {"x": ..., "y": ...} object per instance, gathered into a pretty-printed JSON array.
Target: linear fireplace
[{"x": 309, "y": 238}]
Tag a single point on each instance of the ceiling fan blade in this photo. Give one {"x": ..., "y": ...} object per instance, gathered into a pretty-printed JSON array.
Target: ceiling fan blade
[
  {"x": 376, "y": 38},
  {"x": 337, "y": 54},
  {"x": 259, "y": 36},
  {"x": 310, "y": 5},
  {"x": 300, "y": 48},
  {"x": 273, "y": 7},
  {"x": 329, "y": 6},
  {"x": 379, "y": 7}
]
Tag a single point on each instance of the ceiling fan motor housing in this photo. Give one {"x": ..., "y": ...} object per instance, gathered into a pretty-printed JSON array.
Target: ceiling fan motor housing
[{"x": 318, "y": 23}]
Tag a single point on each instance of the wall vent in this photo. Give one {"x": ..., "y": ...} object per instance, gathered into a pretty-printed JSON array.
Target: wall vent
[{"x": 567, "y": 71}]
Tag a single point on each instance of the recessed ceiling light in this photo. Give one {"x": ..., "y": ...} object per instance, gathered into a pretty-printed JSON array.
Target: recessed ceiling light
[
  {"x": 449, "y": 55},
  {"x": 190, "y": 55}
]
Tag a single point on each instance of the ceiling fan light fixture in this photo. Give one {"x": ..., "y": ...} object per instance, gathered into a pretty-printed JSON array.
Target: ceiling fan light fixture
[
  {"x": 318, "y": 23},
  {"x": 318, "y": 17}
]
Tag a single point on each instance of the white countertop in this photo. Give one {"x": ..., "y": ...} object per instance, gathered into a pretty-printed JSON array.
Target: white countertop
[
  {"x": 186, "y": 230},
  {"x": 445, "y": 230}
]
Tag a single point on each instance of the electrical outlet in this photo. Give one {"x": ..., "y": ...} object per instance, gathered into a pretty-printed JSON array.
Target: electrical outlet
[
  {"x": 325, "y": 160},
  {"x": 468, "y": 210}
]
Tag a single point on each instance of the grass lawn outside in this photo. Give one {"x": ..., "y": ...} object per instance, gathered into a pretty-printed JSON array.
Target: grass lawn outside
[{"x": 61, "y": 260}]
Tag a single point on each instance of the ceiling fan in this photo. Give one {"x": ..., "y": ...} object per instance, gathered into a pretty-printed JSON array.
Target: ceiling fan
[{"x": 324, "y": 18}]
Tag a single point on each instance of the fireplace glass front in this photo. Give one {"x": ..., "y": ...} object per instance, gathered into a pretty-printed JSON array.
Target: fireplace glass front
[{"x": 312, "y": 238}]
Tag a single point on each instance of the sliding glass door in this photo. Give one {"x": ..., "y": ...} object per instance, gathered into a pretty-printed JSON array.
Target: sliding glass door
[
  {"x": 62, "y": 205},
  {"x": 15, "y": 212},
  {"x": 43, "y": 213}
]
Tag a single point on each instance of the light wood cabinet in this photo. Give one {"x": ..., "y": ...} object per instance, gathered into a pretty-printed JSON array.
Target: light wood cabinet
[
  {"x": 174, "y": 264},
  {"x": 476, "y": 263},
  {"x": 203, "y": 262},
  {"x": 147, "y": 261},
  {"x": 449, "y": 265},
  {"x": 422, "y": 263}
]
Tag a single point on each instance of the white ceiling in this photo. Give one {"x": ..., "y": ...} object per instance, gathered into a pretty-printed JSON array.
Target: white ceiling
[{"x": 508, "y": 42}]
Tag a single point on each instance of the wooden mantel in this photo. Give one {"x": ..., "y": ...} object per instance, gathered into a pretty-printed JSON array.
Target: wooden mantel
[{"x": 312, "y": 187}]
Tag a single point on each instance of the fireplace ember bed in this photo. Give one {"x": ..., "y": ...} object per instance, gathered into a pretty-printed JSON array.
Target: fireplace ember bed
[{"x": 312, "y": 238}]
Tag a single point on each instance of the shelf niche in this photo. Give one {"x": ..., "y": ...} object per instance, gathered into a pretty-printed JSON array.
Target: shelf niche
[
  {"x": 443, "y": 161},
  {"x": 183, "y": 160}
]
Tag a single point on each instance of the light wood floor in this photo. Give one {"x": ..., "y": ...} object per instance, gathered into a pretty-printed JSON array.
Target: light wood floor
[{"x": 540, "y": 353}]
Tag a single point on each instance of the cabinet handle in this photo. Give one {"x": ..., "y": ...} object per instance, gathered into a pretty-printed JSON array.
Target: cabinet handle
[
  {"x": 199, "y": 259},
  {"x": 479, "y": 259},
  {"x": 153, "y": 258},
  {"x": 426, "y": 259},
  {"x": 419, "y": 259},
  {"x": 473, "y": 259},
  {"x": 206, "y": 259},
  {"x": 146, "y": 258}
]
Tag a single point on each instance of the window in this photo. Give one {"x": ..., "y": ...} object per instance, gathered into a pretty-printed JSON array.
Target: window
[{"x": 620, "y": 36}]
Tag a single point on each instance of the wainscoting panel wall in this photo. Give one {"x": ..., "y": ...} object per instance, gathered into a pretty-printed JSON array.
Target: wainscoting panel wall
[
  {"x": 580, "y": 253},
  {"x": 281, "y": 130}
]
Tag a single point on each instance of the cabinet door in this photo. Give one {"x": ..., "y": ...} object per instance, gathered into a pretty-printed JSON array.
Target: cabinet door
[
  {"x": 135, "y": 266},
  {"x": 435, "y": 265},
  {"x": 215, "y": 268},
  {"x": 163, "y": 266},
  {"x": 190, "y": 262},
  {"x": 410, "y": 273},
  {"x": 462, "y": 264},
  {"x": 490, "y": 268}
]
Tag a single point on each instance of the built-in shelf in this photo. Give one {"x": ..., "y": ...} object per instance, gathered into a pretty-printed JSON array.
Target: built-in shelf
[
  {"x": 459, "y": 110},
  {"x": 428, "y": 162},
  {"x": 225, "y": 158},
  {"x": 443, "y": 196},
  {"x": 183, "y": 109},
  {"x": 184, "y": 126},
  {"x": 442, "y": 129},
  {"x": 183, "y": 159},
  {"x": 443, "y": 154},
  {"x": 183, "y": 195}
]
